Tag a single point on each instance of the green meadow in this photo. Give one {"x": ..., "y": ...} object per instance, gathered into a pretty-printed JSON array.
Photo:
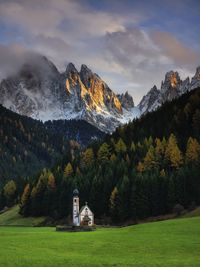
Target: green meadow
[{"x": 167, "y": 243}]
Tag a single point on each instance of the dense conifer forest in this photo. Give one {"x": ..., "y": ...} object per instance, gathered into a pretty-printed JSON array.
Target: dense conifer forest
[
  {"x": 28, "y": 145},
  {"x": 143, "y": 169}
]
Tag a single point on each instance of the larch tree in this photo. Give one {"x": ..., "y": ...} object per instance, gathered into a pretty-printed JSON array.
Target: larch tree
[
  {"x": 140, "y": 167},
  {"x": 25, "y": 199},
  {"x": 104, "y": 152},
  {"x": 132, "y": 148},
  {"x": 51, "y": 182},
  {"x": 193, "y": 151},
  {"x": 159, "y": 150},
  {"x": 114, "y": 201},
  {"x": 88, "y": 156},
  {"x": 68, "y": 170},
  {"x": 120, "y": 146},
  {"x": 150, "y": 160},
  {"x": 173, "y": 155}
]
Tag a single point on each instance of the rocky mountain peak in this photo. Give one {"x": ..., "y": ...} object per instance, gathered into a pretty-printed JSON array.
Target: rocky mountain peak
[
  {"x": 150, "y": 100},
  {"x": 71, "y": 69},
  {"x": 195, "y": 82},
  {"x": 172, "y": 79},
  {"x": 126, "y": 100},
  {"x": 85, "y": 70}
]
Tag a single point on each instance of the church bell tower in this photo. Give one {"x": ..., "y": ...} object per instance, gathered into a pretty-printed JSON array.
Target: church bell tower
[{"x": 75, "y": 214}]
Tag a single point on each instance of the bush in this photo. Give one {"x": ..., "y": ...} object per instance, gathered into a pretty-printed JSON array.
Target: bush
[{"x": 178, "y": 208}]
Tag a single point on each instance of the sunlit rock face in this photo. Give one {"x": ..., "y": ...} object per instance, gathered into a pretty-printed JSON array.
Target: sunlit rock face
[
  {"x": 172, "y": 87},
  {"x": 38, "y": 90}
]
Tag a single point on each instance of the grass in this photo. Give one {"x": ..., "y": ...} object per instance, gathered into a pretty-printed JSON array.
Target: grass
[
  {"x": 12, "y": 217},
  {"x": 167, "y": 243},
  {"x": 193, "y": 213}
]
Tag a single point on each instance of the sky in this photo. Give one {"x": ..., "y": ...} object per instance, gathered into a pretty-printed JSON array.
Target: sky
[{"x": 130, "y": 44}]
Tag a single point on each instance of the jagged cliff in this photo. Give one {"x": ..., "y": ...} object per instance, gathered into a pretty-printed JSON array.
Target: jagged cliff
[
  {"x": 41, "y": 92},
  {"x": 172, "y": 87}
]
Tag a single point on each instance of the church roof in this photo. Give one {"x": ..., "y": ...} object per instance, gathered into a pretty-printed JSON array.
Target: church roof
[{"x": 83, "y": 209}]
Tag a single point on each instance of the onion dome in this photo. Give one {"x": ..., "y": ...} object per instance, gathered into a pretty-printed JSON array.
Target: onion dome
[{"x": 75, "y": 192}]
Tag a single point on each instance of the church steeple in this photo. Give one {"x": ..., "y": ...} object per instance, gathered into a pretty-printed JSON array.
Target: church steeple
[{"x": 75, "y": 211}]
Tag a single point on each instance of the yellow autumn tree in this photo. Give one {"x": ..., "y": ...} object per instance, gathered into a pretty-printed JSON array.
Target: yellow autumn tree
[
  {"x": 162, "y": 173},
  {"x": 120, "y": 146},
  {"x": 88, "y": 156},
  {"x": 173, "y": 155},
  {"x": 24, "y": 199},
  {"x": 127, "y": 158},
  {"x": 113, "y": 199},
  {"x": 132, "y": 148},
  {"x": 77, "y": 171},
  {"x": 104, "y": 152},
  {"x": 113, "y": 157},
  {"x": 140, "y": 167},
  {"x": 159, "y": 150},
  {"x": 192, "y": 151},
  {"x": 51, "y": 182},
  {"x": 68, "y": 170},
  {"x": 150, "y": 160}
]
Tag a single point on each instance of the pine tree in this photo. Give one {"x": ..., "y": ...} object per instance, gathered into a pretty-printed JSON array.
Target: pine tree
[{"x": 10, "y": 193}]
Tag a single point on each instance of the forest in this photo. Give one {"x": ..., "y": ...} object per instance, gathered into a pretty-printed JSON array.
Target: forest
[
  {"x": 28, "y": 145},
  {"x": 143, "y": 169}
]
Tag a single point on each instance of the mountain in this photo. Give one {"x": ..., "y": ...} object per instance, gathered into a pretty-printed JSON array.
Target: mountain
[
  {"x": 28, "y": 145},
  {"x": 38, "y": 90},
  {"x": 172, "y": 87},
  {"x": 143, "y": 169}
]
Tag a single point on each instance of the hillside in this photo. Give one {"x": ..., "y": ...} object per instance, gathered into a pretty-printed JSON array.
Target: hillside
[
  {"x": 11, "y": 217},
  {"x": 142, "y": 170},
  {"x": 28, "y": 145},
  {"x": 167, "y": 243}
]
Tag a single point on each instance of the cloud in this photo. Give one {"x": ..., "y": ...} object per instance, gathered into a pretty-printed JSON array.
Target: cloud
[
  {"x": 111, "y": 41},
  {"x": 14, "y": 56},
  {"x": 143, "y": 58},
  {"x": 172, "y": 48}
]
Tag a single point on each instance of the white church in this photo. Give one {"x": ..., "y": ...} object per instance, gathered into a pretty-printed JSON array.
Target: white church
[{"x": 83, "y": 217}]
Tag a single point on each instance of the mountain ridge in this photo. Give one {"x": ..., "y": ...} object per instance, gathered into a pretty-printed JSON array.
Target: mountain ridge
[{"x": 40, "y": 91}]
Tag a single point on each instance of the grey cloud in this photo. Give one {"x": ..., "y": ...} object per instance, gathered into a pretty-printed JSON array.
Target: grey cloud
[
  {"x": 13, "y": 57},
  {"x": 172, "y": 48}
]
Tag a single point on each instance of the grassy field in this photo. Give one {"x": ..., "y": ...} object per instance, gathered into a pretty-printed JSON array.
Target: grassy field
[
  {"x": 166, "y": 243},
  {"x": 12, "y": 217}
]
